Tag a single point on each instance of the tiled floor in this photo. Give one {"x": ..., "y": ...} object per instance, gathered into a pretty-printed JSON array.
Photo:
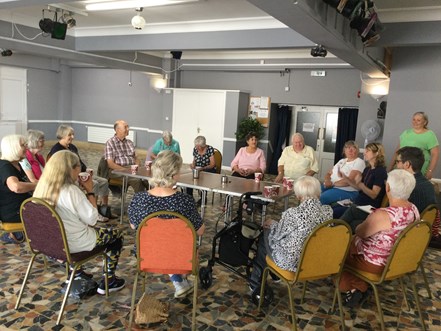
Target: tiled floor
[{"x": 226, "y": 305}]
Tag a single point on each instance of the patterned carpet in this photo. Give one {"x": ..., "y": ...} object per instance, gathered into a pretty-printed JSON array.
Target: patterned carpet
[{"x": 226, "y": 305}]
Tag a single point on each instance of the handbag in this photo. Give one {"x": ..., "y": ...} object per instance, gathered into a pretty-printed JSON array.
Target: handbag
[{"x": 150, "y": 310}]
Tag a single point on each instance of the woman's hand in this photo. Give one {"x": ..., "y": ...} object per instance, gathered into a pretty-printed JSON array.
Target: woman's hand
[
  {"x": 87, "y": 185},
  {"x": 267, "y": 224}
]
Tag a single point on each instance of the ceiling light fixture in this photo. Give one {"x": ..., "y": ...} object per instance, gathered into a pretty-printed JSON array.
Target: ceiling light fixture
[
  {"x": 68, "y": 19},
  {"x": 138, "y": 22},
  {"x": 55, "y": 28},
  {"x": 113, "y": 5}
]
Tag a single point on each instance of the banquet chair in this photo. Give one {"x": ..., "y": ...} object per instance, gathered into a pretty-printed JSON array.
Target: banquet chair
[
  {"x": 40, "y": 222},
  {"x": 166, "y": 244},
  {"x": 429, "y": 215},
  {"x": 405, "y": 258},
  {"x": 323, "y": 255},
  {"x": 218, "y": 162}
]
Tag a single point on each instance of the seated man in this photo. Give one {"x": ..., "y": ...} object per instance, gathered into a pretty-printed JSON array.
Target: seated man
[
  {"x": 297, "y": 160},
  {"x": 120, "y": 153},
  {"x": 411, "y": 159},
  {"x": 165, "y": 143}
]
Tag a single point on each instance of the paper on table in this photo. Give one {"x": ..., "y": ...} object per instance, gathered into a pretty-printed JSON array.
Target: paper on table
[
  {"x": 368, "y": 208},
  {"x": 345, "y": 202}
]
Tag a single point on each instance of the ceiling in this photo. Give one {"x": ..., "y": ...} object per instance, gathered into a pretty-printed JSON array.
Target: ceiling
[{"x": 250, "y": 34}]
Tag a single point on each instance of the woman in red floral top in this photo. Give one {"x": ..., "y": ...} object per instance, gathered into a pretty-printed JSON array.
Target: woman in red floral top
[{"x": 375, "y": 237}]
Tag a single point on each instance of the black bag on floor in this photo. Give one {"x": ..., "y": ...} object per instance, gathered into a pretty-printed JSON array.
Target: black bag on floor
[
  {"x": 233, "y": 246},
  {"x": 81, "y": 287}
]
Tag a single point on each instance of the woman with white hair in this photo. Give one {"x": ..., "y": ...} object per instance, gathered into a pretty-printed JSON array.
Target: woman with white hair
[
  {"x": 375, "y": 237},
  {"x": 163, "y": 196},
  {"x": 65, "y": 136},
  {"x": 33, "y": 164},
  {"x": 15, "y": 186},
  {"x": 283, "y": 240},
  {"x": 166, "y": 143}
]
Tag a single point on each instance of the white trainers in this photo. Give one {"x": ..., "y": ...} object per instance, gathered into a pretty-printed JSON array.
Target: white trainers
[
  {"x": 182, "y": 288},
  {"x": 102, "y": 219}
]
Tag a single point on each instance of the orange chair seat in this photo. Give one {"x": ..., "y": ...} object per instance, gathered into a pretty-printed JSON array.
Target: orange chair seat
[{"x": 375, "y": 278}]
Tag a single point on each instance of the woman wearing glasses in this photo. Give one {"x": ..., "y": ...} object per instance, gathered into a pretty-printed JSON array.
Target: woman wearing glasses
[
  {"x": 371, "y": 186},
  {"x": 422, "y": 137}
]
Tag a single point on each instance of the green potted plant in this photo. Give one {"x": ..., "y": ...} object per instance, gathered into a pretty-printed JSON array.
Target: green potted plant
[{"x": 248, "y": 125}]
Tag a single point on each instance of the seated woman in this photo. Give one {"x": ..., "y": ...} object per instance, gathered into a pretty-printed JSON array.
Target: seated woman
[
  {"x": 371, "y": 185},
  {"x": 249, "y": 159},
  {"x": 335, "y": 187},
  {"x": 65, "y": 136},
  {"x": 283, "y": 240},
  {"x": 375, "y": 237},
  {"x": 15, "y": 186},
  {"x": 203, "y": 158},
  {"x": 163, "y": 196},
  {"x": 58, "y": 185},
  {"x": 34, "y": 163}
]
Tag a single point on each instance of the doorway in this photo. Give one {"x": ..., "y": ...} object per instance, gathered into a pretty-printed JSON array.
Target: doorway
[
  {"x": 13, "y": 105},
  {"x": 318, "y": 125}
]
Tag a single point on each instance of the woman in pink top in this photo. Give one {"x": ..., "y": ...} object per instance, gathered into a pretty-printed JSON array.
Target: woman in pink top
[
  {"x": 375, "y": 237},
  {"x": 249, "y": 159}
]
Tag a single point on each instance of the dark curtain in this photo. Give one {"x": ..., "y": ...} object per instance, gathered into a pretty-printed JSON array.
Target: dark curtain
[
  {"x": 346, "y": 129},
  {"x": 283, "y": 128}
]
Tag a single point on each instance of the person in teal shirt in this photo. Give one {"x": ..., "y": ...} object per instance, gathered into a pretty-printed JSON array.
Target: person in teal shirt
[
  {"x": 422, "y": 137},
  {"x": 165, "y": 143}
]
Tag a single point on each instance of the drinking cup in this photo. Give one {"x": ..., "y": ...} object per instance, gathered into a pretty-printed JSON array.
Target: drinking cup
[
  {"x": 134, "y": 168},
  {"x": 195, "y": 173},
  {"x": 285, "y": 181},
  {"x": 89, "y": 171},
  {"x": 267, "y": 191},
  {"x": 290, "y": 184},
  {"x": 275, "y": 190},
  {"x": 83, "y": 176},
  {"x": 258, "y": 176},
  {"x": 148, "y": 165}
]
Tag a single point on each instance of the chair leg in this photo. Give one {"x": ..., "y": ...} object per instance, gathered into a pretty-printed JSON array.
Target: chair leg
[
  {"x": 132, "y": 305},
  {"x": 262, "y": 287},
  {"x": 340, "y": 303},
  {"x": 195, "y": 301},
  {"x": 429, "y": 293},
  {"x": 303, "y": 292},
  {"x": 28, "y": 271},
  {"x": 66, "y": 295},
  {"x": 417, "y": 302},
  {"x": 380, "y": 311},
  {"x": 291, "y": 304},
  {"x": 403, "y": 289},
  {"x": 106, "y": 274}
]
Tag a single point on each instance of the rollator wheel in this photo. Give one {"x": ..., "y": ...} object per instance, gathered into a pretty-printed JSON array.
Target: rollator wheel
[
  {"x": 205, "y": 277},
  {"x": 268, "y": 296}
]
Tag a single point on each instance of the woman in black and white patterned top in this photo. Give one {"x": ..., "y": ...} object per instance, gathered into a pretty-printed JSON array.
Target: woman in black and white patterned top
[
  {"x": 203, "y": 158},
  {"x": 283, "y": 240}
]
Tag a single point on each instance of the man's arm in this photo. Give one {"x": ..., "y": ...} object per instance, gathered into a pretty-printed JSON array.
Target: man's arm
[{"x": 113, "y": 166}]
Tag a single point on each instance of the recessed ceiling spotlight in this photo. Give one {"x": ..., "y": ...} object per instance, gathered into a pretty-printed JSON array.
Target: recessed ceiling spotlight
[{"x": 138, "y": 22}]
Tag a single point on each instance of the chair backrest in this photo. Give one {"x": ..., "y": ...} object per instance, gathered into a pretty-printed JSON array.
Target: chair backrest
[
  {"x": 44, "y": 229},
  {"x": 429, "y": 214},
  {"x": 218, "y": 160},
  {"x": 325, "y": 250},
  {"x": 407, "y": 251},
  {"x": 166, "y": 244},
  {"x": 385, "y": 201}
]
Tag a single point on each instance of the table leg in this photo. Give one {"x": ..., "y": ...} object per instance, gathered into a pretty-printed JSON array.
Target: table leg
[
  {"x": 204, "y": 199},
  {"x": 286, "y": 202},
  {"x": 228, "y": 208},
  {"x": 263, "y": 214},
  {"x": 123, "y": 193}
]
